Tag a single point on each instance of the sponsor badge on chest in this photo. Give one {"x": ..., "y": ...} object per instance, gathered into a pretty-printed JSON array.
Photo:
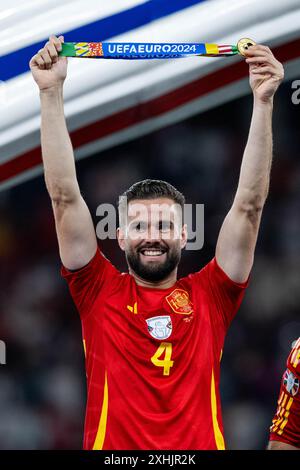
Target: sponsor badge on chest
[{"x": 160, "y": 327}]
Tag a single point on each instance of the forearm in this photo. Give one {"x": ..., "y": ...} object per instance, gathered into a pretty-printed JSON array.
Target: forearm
[
  {"x": 57, "y": 151},
  {"x": 238, "y": 235},
  {"x": 256, "y": 165}
]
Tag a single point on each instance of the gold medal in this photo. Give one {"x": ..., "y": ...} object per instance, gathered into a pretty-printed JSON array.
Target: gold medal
[{"x": 244, "y": 44}]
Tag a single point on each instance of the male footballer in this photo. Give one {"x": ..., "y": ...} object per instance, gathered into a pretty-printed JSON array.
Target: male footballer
[
  {"x": 153, "y": 342},
  {"x": 285, "y": 429}
]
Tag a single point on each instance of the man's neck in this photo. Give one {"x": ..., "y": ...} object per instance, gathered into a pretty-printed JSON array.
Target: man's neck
[{"x": 163, "y": 284}]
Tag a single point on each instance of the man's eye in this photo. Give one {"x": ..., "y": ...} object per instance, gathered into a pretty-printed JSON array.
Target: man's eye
[{"x": 139, "y": 227}]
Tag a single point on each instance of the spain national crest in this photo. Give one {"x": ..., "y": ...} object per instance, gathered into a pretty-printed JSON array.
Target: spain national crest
[
  {"x": 160, "y": 327},
  {"x": 179, "y": 302},
  {"x": 291, "y": 382}
]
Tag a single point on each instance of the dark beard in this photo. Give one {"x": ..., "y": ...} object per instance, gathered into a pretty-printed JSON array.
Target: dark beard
[{"x": 153, "y": 272}]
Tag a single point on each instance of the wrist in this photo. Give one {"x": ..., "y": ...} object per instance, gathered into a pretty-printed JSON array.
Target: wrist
[
  {"x": 263, "y": 101},
  {"x": 52, "y": 99},
  {"x": 52, "y": 90}
]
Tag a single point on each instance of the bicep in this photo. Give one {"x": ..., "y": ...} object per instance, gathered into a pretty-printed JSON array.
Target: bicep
[
  {"x": 75, "y": 232},
  {"x": 236, "y": 243}
]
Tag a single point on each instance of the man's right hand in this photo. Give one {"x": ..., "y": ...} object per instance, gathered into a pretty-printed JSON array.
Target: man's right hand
[{"x": 48, "y": 69}]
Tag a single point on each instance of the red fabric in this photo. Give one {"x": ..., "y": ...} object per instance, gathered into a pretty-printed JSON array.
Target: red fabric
[
  {"x": 286, "y": 422},
  {"x": 147, "y": 409}
]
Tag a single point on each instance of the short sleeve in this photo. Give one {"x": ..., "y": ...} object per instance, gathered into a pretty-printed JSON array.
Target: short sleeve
[
  {"x": 286, "y": 422},
  {"x": 86, "y": 283},
  {"x": 226, "y": 294}
]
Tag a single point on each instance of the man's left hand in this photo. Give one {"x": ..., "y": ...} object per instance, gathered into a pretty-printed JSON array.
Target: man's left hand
[{"x": 265, "y": 72}]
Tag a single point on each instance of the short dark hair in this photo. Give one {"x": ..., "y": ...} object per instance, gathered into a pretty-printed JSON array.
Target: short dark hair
[{"x": 152, "y": 189}]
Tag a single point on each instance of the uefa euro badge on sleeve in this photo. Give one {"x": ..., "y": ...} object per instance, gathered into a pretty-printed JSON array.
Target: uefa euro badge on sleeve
[{"x": 291, "y": 382}]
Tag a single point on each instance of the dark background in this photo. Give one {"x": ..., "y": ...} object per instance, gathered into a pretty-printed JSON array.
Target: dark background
[{"x": 42, "y": 386}]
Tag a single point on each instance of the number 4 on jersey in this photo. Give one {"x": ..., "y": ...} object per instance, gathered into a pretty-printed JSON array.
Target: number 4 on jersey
[{"x": 166, "y": 363}]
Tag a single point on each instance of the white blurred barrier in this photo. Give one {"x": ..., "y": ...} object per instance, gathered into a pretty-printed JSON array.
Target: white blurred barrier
[{"x": 108, "y": 102}]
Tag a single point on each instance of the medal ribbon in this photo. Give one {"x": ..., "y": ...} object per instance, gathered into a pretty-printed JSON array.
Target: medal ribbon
[{"x": 145, "y": 50}]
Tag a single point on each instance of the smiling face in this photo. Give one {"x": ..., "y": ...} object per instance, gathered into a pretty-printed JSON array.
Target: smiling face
[{"x": 152, "y": 237}]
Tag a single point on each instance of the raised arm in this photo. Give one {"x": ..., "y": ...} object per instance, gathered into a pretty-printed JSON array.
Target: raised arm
[
  {"x": 238, "y": 235},
  {"x": 74, "y": 225}
]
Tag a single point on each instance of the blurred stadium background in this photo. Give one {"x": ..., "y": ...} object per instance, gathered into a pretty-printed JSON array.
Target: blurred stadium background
[{"x": 42, "y": 386}]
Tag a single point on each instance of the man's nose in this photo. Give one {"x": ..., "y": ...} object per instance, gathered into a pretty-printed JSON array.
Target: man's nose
[{"x": 153, "y": 233}]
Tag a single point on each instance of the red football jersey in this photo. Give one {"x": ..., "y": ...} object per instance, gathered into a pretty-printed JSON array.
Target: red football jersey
[
  {"x": 153, "y": 356},
  {"x": 286, "y": 422}
]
